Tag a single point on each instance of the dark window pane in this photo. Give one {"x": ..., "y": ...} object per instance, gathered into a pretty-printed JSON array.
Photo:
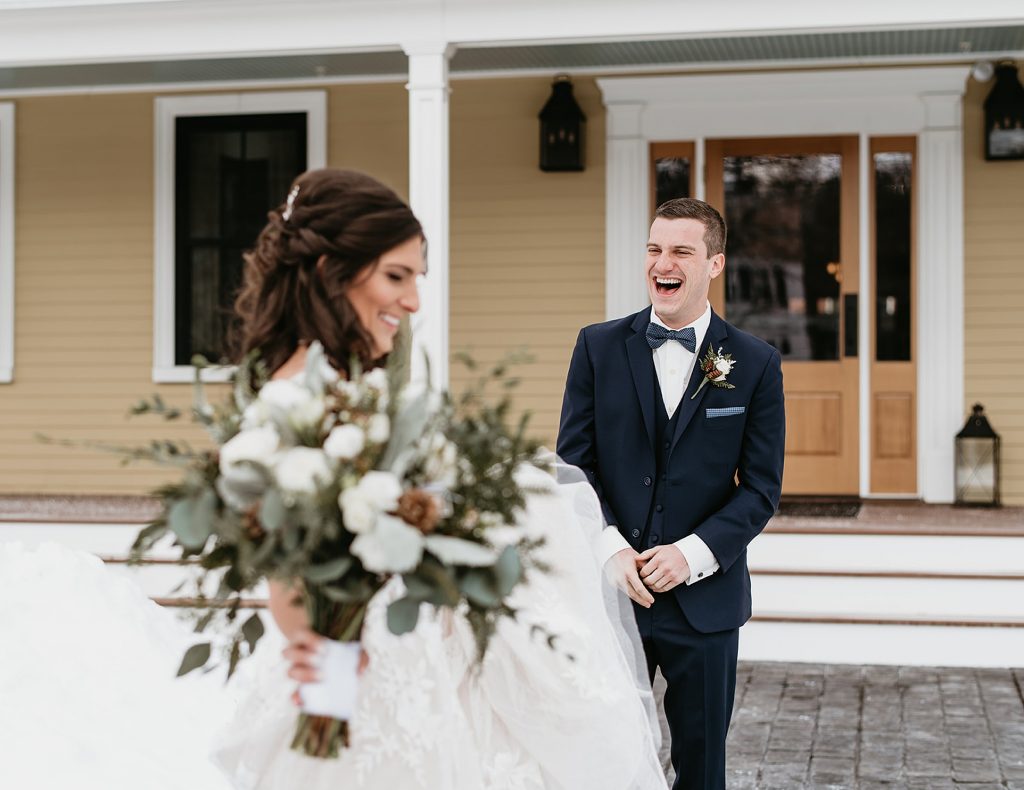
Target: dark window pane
[
  {"x": 672, "y": 177},
  {"x": 230, "y": 170},
  {"x": 893, "y": 173},
  {"x": 782, "y": 273}
]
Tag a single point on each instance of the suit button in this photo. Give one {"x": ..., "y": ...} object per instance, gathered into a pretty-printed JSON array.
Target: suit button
[
  {"x": 647, "y": 481},
  {"x": 664, "y": 478},
  {"x": 659, "y": 508},
  {"x": 636, "y": 533},
  {"x": 655, "y": 538},
  {"x": 668, "y": 445}
]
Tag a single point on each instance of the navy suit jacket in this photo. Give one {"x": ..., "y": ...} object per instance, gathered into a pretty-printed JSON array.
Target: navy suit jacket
[{"x": 724, "y": 473}]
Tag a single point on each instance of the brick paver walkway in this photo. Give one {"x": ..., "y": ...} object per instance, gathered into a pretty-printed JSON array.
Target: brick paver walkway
[{"x": 812, "y": 726}]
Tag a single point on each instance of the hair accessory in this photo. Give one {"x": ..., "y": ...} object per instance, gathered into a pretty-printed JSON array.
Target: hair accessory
[{"x": 290, "y": 203}]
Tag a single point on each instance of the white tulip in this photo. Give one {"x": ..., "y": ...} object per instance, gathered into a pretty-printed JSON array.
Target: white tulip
[
  {"x": 392, "y": 547},
  {"x": 302, "y": 470},
  {"x": 344, "y": 442}
]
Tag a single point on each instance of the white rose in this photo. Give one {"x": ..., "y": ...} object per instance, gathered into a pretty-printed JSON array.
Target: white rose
[
  {"x": 284, "y": 394},
  {"x": 393, "y": 547},
  {"x": 255, "y": 445},
  {"x": 725, "y": 365},
  {"x": 379, "y": 429},
  {"x": 357, "y": 511},
  {"x": 377, "y": 379},
  {"x": 256, "y": 414},
  {"x": 344, "y": 442},
  {"x": 381, "y": 489},
  {"x": 307, "y": 414},
  {"x": 302, "y": 470}
]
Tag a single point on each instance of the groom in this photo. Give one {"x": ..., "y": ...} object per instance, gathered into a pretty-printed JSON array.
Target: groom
[{"x": 677, "y": 418}]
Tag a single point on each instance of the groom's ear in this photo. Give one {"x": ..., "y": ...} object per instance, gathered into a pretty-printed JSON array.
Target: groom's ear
[{"x": 717, "y": 265}]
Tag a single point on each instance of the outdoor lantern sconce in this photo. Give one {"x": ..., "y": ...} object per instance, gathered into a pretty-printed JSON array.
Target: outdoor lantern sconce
[
  {"x": 1004, "y": 115},
  {"x": 561, "y": 130},
  {"x": 977, "y": 461}
]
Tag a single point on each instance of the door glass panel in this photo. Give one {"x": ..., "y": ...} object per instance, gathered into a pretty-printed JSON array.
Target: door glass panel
[
  {"x": 892, "y": 255},
  {"x": 672, "y": 178},
  {"x": 782, "y": 274}
]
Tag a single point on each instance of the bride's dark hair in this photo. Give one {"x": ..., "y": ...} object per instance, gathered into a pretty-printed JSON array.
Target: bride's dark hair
[{"x": 346, "y": 219}]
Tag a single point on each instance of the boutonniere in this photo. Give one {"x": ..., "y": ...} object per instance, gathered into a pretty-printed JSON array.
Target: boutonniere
[{"x": 716, "y": 367}]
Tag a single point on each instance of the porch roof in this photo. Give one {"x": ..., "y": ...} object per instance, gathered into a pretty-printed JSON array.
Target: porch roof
[{"x": 937, "y": 44}]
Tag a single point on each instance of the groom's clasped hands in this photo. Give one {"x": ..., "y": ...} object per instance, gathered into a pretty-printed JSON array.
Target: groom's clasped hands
[{"x": 658, "y": 569}]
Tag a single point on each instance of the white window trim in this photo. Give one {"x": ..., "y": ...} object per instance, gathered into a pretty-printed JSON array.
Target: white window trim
[
  {"x": 313, "y": 103},
  {"x": 922, "y": 101},
  {"x": 6, "y": 243}
]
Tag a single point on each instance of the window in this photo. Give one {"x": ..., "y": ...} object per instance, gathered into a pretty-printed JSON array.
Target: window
[
  {"x": 222, "y": 163},
  {"x": 6, "y": 243}
]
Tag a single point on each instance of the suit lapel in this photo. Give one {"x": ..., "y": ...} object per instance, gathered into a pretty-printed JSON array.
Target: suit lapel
[
  {"x": 716, "y": 333},
  {"x": 641, "y": 364}
]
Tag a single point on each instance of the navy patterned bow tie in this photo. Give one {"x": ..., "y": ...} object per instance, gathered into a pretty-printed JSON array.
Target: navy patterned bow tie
[{"x": 657, "y": 335}]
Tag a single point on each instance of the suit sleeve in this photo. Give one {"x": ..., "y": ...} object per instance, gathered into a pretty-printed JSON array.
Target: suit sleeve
[
  {"x": 728, "y": 531},
  {"x": 577, "y": 437}
]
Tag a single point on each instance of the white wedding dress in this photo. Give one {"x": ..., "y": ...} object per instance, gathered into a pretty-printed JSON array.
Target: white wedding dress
[{"x": 530, "y": 718}]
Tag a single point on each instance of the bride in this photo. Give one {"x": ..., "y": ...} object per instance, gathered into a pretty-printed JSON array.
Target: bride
[{"x": 338, "y": 263}]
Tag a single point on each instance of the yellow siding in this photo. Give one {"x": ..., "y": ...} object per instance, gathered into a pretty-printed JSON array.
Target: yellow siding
[
  {"x": 994, "y": 291},
  {"x": 84, "y": 265},
  {"x": 527, "y": 249}
]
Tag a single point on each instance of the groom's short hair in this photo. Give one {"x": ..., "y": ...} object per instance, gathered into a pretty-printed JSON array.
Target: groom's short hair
[{"x": 691, "y": 208}]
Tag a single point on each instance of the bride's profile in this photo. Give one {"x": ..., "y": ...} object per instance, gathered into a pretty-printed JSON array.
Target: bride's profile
[{"x": 561, "y": 699}]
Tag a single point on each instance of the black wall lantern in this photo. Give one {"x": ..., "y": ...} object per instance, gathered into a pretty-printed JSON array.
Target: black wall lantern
[
  {"x": 561, "y": 129},
  {"x": 977, "y": 461},
  {"x": 1004, "y": 115}
]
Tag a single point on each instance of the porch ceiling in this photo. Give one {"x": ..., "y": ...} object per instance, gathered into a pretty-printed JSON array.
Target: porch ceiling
[{"x": 962, "y": 43}]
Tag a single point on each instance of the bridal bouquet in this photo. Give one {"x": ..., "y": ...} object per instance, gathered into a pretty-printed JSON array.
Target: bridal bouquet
[{"x": 334, "y": 486}]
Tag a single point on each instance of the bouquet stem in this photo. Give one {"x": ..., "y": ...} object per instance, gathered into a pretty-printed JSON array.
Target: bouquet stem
[{"x": 317, "y": 736}]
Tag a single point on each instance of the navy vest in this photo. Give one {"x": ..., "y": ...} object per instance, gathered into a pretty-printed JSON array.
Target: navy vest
[{"x": 664, "y": 431}]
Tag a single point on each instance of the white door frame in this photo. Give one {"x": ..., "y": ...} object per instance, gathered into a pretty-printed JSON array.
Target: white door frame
[{"x": 921, "y": 101}]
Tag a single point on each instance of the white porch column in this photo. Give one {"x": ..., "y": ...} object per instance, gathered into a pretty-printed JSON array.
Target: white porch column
[
  {"x": 627, "y": 213},
  {"x": 428, "y": 196},
  {"x": 940, "y": 294}
]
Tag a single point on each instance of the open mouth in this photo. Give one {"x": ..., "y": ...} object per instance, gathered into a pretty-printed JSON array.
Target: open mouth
[
  {"x": 667, "y": 285},
  {"x": 392, "y": 321}
]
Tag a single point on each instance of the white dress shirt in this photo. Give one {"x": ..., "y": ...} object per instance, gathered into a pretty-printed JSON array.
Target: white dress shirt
[{"x": 673, "y": 364}]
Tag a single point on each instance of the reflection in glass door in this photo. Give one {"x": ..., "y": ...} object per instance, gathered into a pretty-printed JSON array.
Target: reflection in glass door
[{"x": 791, "y": 278}]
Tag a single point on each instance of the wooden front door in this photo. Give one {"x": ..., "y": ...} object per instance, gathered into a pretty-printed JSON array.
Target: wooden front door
[{"x": 791, "y": 277}]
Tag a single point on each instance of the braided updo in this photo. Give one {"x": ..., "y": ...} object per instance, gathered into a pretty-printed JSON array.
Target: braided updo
[{"x": 345, "y": 218}]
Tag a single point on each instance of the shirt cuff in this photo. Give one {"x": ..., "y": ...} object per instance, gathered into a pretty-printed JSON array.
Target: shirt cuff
[
  {"x": 609, "y": 543},
  {"x": 698, "y": 556}
]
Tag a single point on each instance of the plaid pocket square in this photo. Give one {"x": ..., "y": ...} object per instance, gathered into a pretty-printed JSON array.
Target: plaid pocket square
[{"x": 729, "y": 411}]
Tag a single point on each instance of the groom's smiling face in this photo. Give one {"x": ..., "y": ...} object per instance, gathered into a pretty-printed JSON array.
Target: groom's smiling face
[{"x": 679, "y": 271}]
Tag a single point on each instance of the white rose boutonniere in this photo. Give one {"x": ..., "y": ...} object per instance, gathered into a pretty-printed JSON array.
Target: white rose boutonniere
[{"x": 716, "y": 367}]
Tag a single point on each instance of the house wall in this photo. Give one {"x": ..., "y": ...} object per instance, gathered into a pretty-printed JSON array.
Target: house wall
[
  {"x": 527, "y": 247},
  {"x": 994, "y": 291}
]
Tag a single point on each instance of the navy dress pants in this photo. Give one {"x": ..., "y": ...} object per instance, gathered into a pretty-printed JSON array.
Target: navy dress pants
[{"x": 700, "y": 673}]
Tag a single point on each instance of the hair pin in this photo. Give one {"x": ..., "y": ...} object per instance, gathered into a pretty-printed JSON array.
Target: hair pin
[{"x": 290, "y": 203}]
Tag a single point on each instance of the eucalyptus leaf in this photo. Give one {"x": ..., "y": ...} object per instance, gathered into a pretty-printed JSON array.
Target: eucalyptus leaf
[
  {"x": 252, "y": 630},
  {"x": 195, "y": 657},
  {"x": 273, "y": 511},
  {"x": 479, "y": 587},
  {"x": 328, "y": 571},
  {"x": 406, "y": 428},
  {"x": 403, "y": 615},
  {"x": 508, "y": 570},
  {"x": 191, "y": 520}
]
